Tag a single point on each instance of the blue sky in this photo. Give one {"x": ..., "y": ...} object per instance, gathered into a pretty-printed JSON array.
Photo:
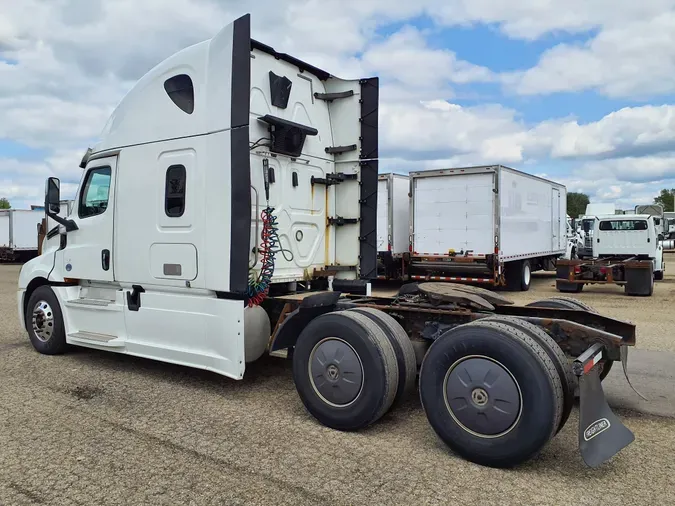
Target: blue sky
[{"x": 578, "y": 91}]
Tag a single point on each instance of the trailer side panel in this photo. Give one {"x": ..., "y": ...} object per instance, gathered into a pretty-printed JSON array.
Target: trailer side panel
[
  {"x": 531, "y": 217},
  {"x": 24, "y": 229}
]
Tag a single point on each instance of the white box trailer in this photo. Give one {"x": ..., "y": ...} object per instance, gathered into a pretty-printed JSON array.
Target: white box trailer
[
  {"x": 486, "y": 224},
  {"x": 18, "y": 233},
  {"x": 393, "y": 223}
]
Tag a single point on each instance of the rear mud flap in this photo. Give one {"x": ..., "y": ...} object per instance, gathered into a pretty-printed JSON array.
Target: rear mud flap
[{"x": 601, "y": 433}]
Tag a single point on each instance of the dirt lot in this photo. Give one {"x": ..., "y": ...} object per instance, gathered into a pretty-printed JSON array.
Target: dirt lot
[{"x": 97, "y": 428}]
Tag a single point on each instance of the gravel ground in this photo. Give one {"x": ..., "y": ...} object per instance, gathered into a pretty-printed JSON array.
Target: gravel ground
[{"x": 98, "y": 428}]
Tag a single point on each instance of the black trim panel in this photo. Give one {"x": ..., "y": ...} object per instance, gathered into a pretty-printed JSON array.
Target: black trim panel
[
  {"x": 302, "y": 66},
  {"x": 370, "y": 95},
  {"x": 240, "y": 163}
]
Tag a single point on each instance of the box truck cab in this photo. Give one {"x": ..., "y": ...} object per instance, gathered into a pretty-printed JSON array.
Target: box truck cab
[
  {"x": 222, "y": 143},
  {"x": 629, "y": 236}
]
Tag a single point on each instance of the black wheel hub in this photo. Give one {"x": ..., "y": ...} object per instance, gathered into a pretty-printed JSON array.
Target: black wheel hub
[
  {"x": 335, "y": 372},
  {"x": 482, "y": 396}
]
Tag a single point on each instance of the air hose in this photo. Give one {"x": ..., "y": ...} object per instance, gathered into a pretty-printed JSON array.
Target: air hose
[{"x": 259, "y": 285}]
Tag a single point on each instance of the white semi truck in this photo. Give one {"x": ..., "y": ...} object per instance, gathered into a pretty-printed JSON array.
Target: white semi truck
[
  {"x": 18, "y": 234},
  {"x": 488, "y": 224},
  {"x": 229, "y": 209}
]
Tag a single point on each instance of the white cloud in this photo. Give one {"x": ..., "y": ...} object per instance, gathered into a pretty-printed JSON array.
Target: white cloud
[
  {"x": 531, "y": 19},
  {"x": 633, "y": 59},
  {"x": 406, "y": 58}
]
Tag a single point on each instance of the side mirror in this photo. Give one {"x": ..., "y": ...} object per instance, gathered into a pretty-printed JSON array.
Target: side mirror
[{"x": 53, "y": 195}]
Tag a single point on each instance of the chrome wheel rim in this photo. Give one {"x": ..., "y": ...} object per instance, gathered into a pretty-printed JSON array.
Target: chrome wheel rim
[{"x": 43, "y": 321}]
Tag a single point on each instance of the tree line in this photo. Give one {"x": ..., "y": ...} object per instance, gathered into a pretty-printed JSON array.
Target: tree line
[{"x": 577, "y": 202}]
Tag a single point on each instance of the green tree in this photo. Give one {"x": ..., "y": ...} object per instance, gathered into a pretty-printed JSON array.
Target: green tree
[
  {"x": 576, "y": 204},
  {"x": 4, "y": 203},
  {"x": 667, "y": 199}
]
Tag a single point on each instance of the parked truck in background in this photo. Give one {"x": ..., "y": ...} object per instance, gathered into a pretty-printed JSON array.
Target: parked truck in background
[
  {"x": 593, "y": 210},
  {"x": 233, "y": 186},
  {"x": 669, "y": 224},
  {"x": 626, "y": 251},
  {"x": 393, "y": 222},
  {"x": 488, "y": 224},
  {"x": 18, "y": 239}
]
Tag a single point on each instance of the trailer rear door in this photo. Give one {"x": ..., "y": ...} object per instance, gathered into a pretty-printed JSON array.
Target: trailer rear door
[
  {"x": 454, "y": 212},
  {"x": 383, "y": 239}
]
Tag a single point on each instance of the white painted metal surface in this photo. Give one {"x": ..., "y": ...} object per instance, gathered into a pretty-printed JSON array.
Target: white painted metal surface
[
  {"x": 453, "y": 211},
  {"x": 629, "y": 234},
  {"x": 479, "y": 208},
  {"x": 18, "y": 228},
  {"x": 393, "y": 213},
  {"x": 531, "y": 216},
  {"x": 4, "y": 229},
  {"x": 600, "y": 209},
  {"x": 383, "y": 207},
  {"x": 24, "y": 228}
]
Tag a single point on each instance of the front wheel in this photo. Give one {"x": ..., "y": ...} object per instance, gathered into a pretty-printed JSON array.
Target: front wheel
[{"x": 44, "y": 322}]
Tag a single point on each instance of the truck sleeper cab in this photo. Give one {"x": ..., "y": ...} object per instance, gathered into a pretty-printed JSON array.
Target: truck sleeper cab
[
  {"x": 232, "y": 188},
  {"x": 211, "y": 143}
]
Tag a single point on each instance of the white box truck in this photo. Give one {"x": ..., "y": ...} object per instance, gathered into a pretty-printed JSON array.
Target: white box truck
[
  {"x": 18, "y": 233},
  {"x": 487, "y": 224},
  {"x": 229, "y": 186},
  {"x": 393, "y": 222}
]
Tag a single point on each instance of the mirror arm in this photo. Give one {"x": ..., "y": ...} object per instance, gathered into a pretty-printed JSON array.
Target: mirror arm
[{"x": 69, "y": 224}]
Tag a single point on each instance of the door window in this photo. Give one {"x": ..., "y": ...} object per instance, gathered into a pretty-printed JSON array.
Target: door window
[{"x": 95, "y": 192}]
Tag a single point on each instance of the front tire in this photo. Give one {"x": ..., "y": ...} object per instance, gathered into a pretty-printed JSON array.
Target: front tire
[
  {"x": 491, "y": 393},
  {"x": 345, "y": 370},
  {"x": 44, "y": 322}
]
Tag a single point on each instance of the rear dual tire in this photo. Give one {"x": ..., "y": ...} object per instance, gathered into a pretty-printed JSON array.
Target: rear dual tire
[
  {"x": 492, "y": 393},
  {"x": 350, "y": 367},
  {"x": 571, "y": 303}
]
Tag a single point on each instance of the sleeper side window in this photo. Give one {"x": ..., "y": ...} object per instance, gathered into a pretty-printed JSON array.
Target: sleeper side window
[
  {"x": 174, "y": 191},
  {"x": 181, "y": 92},
  {"x": 95, "y": 192}
]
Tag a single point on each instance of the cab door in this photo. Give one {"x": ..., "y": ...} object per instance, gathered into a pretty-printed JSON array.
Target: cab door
[{"x": 88, "y": 251}]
